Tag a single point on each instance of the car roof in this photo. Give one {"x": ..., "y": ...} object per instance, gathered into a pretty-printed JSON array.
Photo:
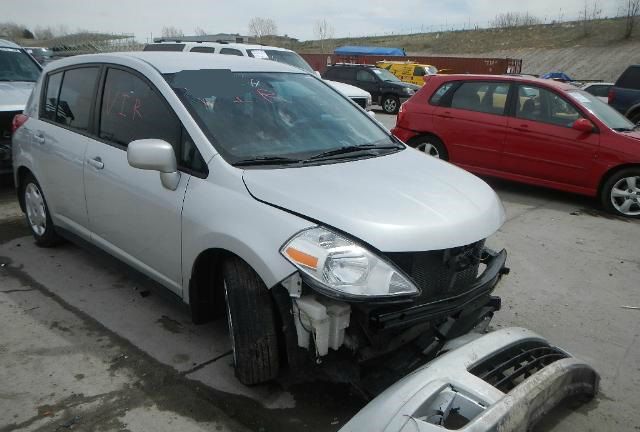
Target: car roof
[
  {"x": 8, "y": 44},
  {"x": 171, "y": 62},
  {"x": 521, "y": 79},
  {"x": 222, "y": 45}
]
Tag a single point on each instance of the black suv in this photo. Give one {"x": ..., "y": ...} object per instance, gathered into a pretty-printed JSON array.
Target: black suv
[
  {"x": 625, "y": 94},
  {"x": 385, "y": 88}
]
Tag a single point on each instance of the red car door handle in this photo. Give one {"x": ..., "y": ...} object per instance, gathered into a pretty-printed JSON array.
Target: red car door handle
[
  {"x": 446, "y": 114},
  {"x": 522, "y": 128}
]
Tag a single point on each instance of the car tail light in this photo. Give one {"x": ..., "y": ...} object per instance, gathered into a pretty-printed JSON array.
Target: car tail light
[
  {"x": 611, "y": 95},
  {"x": 401, "y": 112},
  {"x": 18, "y": 120}
]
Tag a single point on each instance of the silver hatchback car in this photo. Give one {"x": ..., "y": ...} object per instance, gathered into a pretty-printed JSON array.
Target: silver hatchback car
[{"x": 254, "y": 190}]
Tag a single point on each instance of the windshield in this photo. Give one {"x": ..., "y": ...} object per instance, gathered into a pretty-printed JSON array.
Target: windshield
[
  {"x": 17, "y": 66},
  {"x": 271, "y": 115},
  {"x": 384, "y": 74},
  {"x": 604, "y": 112},
  {"x": 287, "y": 57}
]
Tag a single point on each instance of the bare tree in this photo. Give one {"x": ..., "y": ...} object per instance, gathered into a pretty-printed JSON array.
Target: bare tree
[
  {"x": 199, "y": 31},
  {"x": 261, "y": 27},
  {"x": 630, "y": 12},
  {"x": 590, "y": 12},
  {"x": 514, "y": 19},
  {"x": 323, "y": 31},
  {"x": 12, "y": 30},
  {"x": 170, "y": 31}
]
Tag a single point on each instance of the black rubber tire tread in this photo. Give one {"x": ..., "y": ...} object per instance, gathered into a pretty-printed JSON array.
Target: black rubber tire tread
[
  {"x": 635, "y": 118},
  {"x": 397, "y": 104},
  {"x": 50, "y": 238},
  {"x": 605, "y": 191},
  {"x": 254, "y": 325},
  {"x": 437, "y": 143}
]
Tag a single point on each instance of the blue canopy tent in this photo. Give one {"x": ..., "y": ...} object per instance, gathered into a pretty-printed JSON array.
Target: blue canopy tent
[
  {"x": 369, "y": 51},
  {"x": 560, "y": 76}
]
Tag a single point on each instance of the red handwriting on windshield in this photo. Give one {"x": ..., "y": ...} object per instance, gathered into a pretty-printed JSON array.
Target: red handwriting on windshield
[{"x": 123, "y": 104}]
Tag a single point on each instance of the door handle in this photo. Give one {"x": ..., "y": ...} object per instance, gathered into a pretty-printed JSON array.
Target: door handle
[
  {"x": 446, "y": 114},
  {"x": 96, "y": 162},
  {"x": 522, "y": 128},
  {"x": 39, "y": 138}
]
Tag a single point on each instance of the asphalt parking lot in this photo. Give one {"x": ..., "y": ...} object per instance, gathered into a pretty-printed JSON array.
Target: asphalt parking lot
[{"x": 87, "y": 344}]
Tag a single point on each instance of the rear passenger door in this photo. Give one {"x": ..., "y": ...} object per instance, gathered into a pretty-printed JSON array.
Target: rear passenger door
[
  {"x": 472, "y": 123},
  {"x": 61, "y": 137},
  {"x": 366, "y": 80},
  {"x": 131, "y": 214},
  {"x": 541, "y": 142}
]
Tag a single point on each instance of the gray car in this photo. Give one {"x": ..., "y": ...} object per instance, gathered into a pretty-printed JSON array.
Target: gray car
[
  {"x": 18, "y": 74},
  {"x": 254, "y": 190}
]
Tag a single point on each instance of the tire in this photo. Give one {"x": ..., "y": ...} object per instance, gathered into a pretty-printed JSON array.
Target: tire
[
  {"x": 635, "y": 118},
  {"x": 620, "y": 194},
  {"x": 37, "y": 214},
  {"x": 252, "y": 324},
  {"x": 430, "y": 145},
  {"x": 390, "y": 104}
]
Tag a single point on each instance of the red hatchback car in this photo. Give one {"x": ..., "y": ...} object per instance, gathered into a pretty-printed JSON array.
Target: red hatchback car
[{"x": 529, "y": 130}]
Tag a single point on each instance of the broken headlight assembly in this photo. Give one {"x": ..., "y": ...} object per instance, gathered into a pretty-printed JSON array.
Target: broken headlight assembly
[{"x": 339, "y": 267}]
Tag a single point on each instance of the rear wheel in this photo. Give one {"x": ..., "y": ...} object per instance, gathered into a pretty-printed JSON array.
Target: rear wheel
[
  {"x": 430, "y": 146},
  {"x": 635, "y": 118},
  {"x": 621, "y": 193},
  {"x": 390, "y": 104},
  {"x": 37, "y": 214},
  {"x": 252, "y": 324}
]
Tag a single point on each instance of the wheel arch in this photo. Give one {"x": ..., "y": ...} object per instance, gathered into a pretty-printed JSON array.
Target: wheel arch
[
  {"x": 611, "y": 172},
  {"x": 21, "y": 174},
  {"x": 633, "y": 110},
  {"x": 413, "y": 141}
]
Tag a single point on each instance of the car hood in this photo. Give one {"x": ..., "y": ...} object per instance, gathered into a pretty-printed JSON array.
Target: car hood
[
  {"x": 401, "y": 202},
  {"x": 403, "y": 84},
  {"x": 14, "y": 95},
  {"x": 349, "y": 90}
]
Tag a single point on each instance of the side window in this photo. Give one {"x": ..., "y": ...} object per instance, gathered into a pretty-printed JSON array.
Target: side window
[
  {"x": 418, "y": 71},
  {"x": 538, "y": 104},
  {"x": 208, "y": 50},
  {"x": 50, "y": 105},
  {"x": 347, "y": 74},
  {"x": 490, "y": 98},
  {"x": 438, "y": 96},
  {"x": 231, "y": 51},
  {"x": 599, "y": 90},
  {"x": 365, "y": 76},
  {"x": 132, "y": 110},
  {"x": 77, "y": 97}
]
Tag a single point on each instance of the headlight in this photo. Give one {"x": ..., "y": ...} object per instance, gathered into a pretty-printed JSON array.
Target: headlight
[
  {"x": 344, "y": 268},
  {"x": 409, "y": 91}
]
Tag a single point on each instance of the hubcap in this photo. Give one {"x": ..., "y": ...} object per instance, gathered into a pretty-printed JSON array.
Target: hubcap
[
  {"x": 36, "y": 211},
  {"x": 429, "y": 149},
  {"x": 625, "y": 196},
  {"x": 389, "y": 105},
  {"x": 230, "y": 322}
]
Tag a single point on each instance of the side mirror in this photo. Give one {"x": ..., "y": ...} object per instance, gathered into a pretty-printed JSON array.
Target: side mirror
[
  {"x": 371, "y": 114},
  {"x": 155, "y": 155},
  {"x": 583, "y": 125},
  {"x": 318, "y": 74}
]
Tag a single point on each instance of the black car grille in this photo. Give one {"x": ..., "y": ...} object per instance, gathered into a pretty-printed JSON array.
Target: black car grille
[
  {"x": 6, "y": 117},
  {"x": 360, "y": 101},
  {"x": 510, "y": 367},
  {"x": 442, "y": 273}
]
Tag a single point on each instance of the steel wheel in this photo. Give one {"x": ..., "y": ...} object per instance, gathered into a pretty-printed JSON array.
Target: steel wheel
[
  {"x": 390, "y": 105},
  {"x": 625, "y": 196},
  {"x": 429, "y": 149},
  {"x": 36, "y": 210}
]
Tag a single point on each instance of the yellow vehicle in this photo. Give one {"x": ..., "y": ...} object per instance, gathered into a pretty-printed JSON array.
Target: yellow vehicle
[{"x": 408, "y": 72}]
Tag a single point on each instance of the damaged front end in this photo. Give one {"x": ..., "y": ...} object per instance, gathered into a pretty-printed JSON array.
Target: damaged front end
[
  {"x": 506, "y": 380},
  {"x": 389, "y": 335}
]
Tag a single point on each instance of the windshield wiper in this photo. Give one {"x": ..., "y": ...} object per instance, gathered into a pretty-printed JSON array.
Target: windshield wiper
[
  {"x": 15, "y": 80},
  {"x": 624, "y": 129},
  {"x": 266, "y": 160},
  {"x": 352, "y": 149}
]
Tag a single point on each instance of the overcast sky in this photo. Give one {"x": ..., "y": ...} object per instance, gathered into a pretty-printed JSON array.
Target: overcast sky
[{"x": 293, "y": 17}]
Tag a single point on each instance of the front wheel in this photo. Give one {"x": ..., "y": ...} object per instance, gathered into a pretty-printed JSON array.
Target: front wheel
[
  {"x": 37, "y": 214},
  {"x": 252, "y": 324},
  {"x": 390, "y": 104},
  {"x": 621, "y": 193}
]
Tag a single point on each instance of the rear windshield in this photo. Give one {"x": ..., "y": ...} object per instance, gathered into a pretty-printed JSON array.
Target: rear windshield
[
  {"x": 287, "y": 57},
  {"x": 15, "y": 65}
]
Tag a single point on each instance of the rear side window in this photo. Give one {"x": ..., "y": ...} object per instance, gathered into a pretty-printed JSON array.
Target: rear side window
[
  {"x": 76, "y": 97},
  {"x": 438, "y": 96},
  {"x": 164, "y": 47},
  {"x": 51, "y": 98},
  {"x": 231, "y": 51},
  {"x": 132, "y": 110},
  {"x": 365, "y": 76},
  {"x": 342, "y": 74},
  {"x": 630, "y": 78},
  {"x": 490, "y": 98},
  {"x": 208, "y": 50}
]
